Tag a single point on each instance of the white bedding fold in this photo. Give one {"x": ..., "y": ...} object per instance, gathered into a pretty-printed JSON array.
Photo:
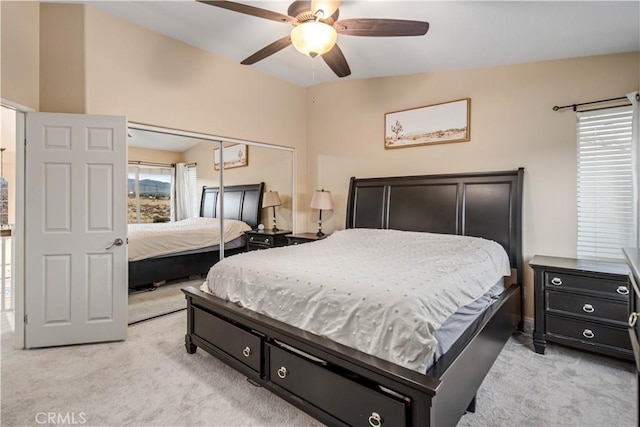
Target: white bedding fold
[
  {"x": 383, "y": 292},
  {"x": 150, "y": 240}
]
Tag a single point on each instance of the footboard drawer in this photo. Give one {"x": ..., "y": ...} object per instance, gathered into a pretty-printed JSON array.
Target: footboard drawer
[
  {"x": 236, "y": 342},
  {"x": 347, "y": 400}
]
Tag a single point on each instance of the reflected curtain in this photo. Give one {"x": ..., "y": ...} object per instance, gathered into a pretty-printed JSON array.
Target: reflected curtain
[{"x": 183, "y": 193}]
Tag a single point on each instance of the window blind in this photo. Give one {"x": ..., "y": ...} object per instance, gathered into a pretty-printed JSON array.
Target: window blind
[{"x": 607, "y": 216}]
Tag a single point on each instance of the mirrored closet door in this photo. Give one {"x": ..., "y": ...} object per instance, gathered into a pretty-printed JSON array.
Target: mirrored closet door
[{"x": 185, "y": 185}]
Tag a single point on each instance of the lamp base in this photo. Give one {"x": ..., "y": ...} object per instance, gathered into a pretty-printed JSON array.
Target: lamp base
[
  {"x": 320, "y": 233},
  {"x": 274, "y": 228}
]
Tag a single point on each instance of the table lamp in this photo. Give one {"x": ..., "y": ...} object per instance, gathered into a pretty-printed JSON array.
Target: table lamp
[
  {"x": 321, "y": 200},
  {"x": 271, "y": 199}
]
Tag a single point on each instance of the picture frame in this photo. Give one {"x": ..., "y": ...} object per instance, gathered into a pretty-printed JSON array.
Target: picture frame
[
  {"x": 429, "y": 125},
  {"x": 235, "y": 156}
]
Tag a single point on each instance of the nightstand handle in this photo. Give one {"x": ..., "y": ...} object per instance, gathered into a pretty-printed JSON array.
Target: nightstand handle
[
  {"x": 266, "y": 240},
  {"x": 556, "y": 281},
  {"x": 622, "y": 290},
  {"x": 251, "y": 239},
  {"x": 588, "y": 333},
  {"x": 588, "y": 308}
]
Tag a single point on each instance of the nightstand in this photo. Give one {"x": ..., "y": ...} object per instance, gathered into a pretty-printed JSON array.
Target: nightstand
[
  {"x": 266, "y": 239},
  {"x": 298, "y": 239},
  {"x": 581, "y": 303}
]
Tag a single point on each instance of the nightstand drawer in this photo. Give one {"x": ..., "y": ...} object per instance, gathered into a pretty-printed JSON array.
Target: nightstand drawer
[
  {"x": 257, "y": 239},
  {"x": 587, "y": 305},
  {"x": 296, "y": 241},
  {"x": 615, "y": 288},
  {"x": 588, "y": 332}
]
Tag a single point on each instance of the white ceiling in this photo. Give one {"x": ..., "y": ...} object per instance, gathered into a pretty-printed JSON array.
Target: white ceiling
[
  {"x": 462, "y": 34},
  {"x": 160, "y": 141}
]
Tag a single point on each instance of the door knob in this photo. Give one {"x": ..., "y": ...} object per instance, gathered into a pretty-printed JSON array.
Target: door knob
[{"x": 117, "y": 242}]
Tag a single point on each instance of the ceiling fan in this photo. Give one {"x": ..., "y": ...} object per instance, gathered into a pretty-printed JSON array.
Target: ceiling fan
[{"x": 316, "y": 27}]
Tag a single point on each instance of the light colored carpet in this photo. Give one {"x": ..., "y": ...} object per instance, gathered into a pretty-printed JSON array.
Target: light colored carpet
[
  {"x": 149, "y": 380},
  {"x": 164, "y": 299}
]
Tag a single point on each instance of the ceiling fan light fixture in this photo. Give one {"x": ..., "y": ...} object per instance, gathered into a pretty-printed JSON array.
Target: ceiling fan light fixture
[{"x": 313, "y": 38}]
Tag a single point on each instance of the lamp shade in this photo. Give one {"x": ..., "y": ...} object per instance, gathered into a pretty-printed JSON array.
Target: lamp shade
[
  {"x": 271, "y": 198},
  {"x": 313, "y": 38},
  {"x": 321, "y": 200}
]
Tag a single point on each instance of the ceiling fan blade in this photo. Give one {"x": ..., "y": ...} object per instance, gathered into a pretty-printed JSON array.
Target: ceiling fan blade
[
  {"x": 250, "y": 10},
  {"x": 337, "y": 62},
  {"x": 328, "y": 7},
  {"x": 274, "y": 47},
  {"x": 381, "y": 27}
]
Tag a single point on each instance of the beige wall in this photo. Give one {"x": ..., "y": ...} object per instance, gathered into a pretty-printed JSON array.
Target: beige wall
[
  {"x": 157, "y": 80},
  {"x": 20, "y": 52},
  {"x": 512, "y": 125},
  {"x": 137, "y": 154},
  {"x": 62, "y": 58},
  {"x": 274, "y": 167}
]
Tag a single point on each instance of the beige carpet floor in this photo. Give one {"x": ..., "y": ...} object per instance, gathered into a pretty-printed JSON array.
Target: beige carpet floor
[{"x": 149, "y": 380}]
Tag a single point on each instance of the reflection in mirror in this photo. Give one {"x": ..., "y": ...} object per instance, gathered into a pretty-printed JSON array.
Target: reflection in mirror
[{"x": 168, "y": 171}]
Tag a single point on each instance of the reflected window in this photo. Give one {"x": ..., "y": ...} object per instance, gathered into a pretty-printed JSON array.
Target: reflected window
[{"x": 150, "y": 195}]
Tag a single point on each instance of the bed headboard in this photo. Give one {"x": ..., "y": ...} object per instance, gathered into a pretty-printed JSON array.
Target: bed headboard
[
  {"x": 487, "y": 205},
  {"x": 241, "y": 202}
]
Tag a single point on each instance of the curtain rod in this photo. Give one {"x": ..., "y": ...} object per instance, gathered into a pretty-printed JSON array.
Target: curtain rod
[
  {"x": 138, "y": 162},
  {"x": 162, "y": 165},
  {"x": 575, "y": 106}
]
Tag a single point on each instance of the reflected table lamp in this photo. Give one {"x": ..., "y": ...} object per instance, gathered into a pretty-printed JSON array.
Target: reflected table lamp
[
  {"x": 321, "y": 200},
  {"x": 271, "y": 199}
]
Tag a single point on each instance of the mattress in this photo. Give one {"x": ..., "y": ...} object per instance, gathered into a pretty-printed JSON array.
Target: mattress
[
  {"x": 383, "y": 292},
  {"x": 239, "y": 242},
  {"x": 157, "y": 239}
]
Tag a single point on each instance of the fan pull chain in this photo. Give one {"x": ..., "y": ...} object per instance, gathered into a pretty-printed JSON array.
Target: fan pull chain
[{"x": 313, "y": 78}]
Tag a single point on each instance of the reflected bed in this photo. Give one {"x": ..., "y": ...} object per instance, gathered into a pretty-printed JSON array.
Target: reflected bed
[{"x": 169, "y": 261}]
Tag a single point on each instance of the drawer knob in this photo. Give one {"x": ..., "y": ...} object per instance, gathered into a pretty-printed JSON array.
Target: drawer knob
[
  {"x": 556, "y": 281},
  {"x": 246, "y": 352},
  {"x": 251, "y": 239},
  {"x": 266, "y": 240},
  {"x": 375, "y": 420},
  {"x": 282, "y": 372},
  {"x": 588, "y": 308},
  {"x": 622, "y": 290},
  {"x": 588, "y": 333}
]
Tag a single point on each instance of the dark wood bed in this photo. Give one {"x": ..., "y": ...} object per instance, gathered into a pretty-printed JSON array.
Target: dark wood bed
[
  {"x": 342, "y": 386},
  {"x": 241, "y": 202}
]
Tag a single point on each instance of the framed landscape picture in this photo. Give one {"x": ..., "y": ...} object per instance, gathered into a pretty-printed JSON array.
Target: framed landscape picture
[
  {"x": 235, "y": 156},
  {"x": 432, "y": 124}
]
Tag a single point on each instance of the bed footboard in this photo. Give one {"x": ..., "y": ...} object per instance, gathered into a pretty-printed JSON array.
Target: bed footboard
[{"x": 282, "y": 359}]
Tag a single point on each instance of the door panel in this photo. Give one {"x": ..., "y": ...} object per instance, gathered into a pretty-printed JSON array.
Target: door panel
[{"x": 75, "y": 281}]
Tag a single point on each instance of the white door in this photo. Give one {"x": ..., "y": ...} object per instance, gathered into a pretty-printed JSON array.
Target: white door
[{"x": 76, "y": 207}]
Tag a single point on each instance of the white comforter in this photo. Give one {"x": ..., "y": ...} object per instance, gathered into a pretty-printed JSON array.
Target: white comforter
[
  {"x": 383, "y": 292},
  {"x": 149, "y": 240}
]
